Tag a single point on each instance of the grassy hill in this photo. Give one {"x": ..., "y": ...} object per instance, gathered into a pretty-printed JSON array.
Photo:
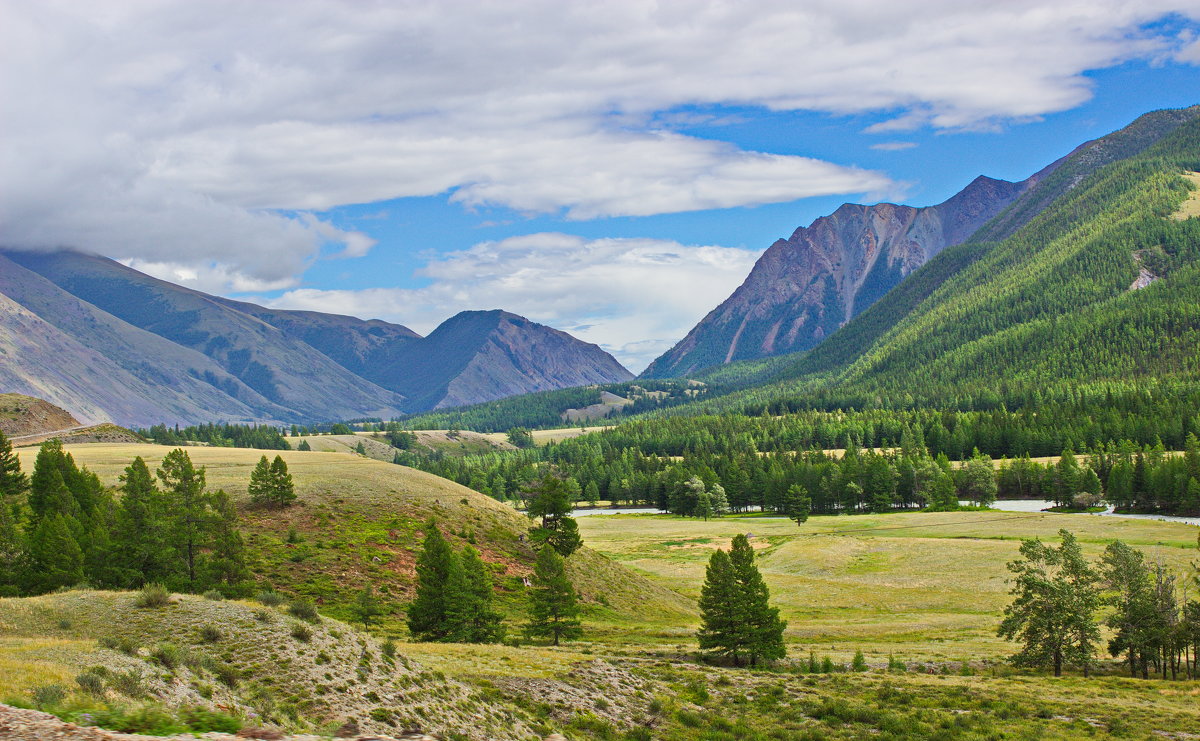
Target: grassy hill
[{"x": 359, "y": 521}]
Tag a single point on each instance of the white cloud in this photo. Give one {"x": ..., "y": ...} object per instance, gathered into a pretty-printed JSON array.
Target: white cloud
[
  {"x": 605, "y": 291},
  {"x": 174, "y": 131},
  {"x": 893, "y": 146}
]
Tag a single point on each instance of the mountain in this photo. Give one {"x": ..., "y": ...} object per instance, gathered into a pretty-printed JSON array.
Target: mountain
[
  {"x": 804, "y": 288},
  {"x": 1097, "y": 282},
  {"x": 482, "y": 355},
  {"x": 27, "y": 415},
  {"x": 110, "y": 343}
]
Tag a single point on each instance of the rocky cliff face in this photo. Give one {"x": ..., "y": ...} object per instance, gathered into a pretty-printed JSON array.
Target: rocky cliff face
[{"x": 805, "y": 287}]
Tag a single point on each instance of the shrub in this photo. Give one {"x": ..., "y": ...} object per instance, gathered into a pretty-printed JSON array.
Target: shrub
[
  {"x": 262, "y": 616},
  {"x": 91, "y": 683},
  {"x": 304, "y": 609},
  {"x": 896, "y": 665},
  {"x": 210, "y": 633},
  {"x": 859, "y": 664},
  {"x": 214, "y": 595},
  {"x": 201, "y": 720},
  {"x": 227, "y": 674},
  {"x": 128, "y": 683},
  {"x": 48, "y": 695},
  {"x": 153, "y": 595},
  {"x": 64, "y": 624},
  {"x": 124, "y": 644},
  {"x": 388, "y": 649},
  {"x": 168, "y": 655},
  {"x": 302, "y": 632},
  {"x": 270, "y": 598}
]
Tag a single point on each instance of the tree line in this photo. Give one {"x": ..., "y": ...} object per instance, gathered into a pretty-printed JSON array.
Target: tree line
[
  {"x": 60, "y": 527},
  {"x": 262, "y": 437}
]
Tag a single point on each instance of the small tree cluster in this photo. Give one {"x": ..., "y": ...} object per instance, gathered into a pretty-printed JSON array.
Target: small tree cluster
[
  {"x": 270, "y": 484},
  {"x": 737, "y": 621},
  {"x": 1056, "y": 597},
  {"x": 61, "y": 527},
  {"x": 454, "y": 595}
]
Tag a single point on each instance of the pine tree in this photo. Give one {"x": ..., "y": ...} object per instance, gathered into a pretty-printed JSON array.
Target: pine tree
[
  {"x": 721, "y": 630},
  {"x": 367, "y": 606},
  {"x": 469, "y": 601},
  {"x": 303, "y": 445},
  {"x": 55, "y": 559},
  {"x": 1053, "y": 611},
  {"x": 13, "y": 482},
  {"x": 283, "y": 489},
  {"x": 140, "y": 527},
  {"x": 763, "y": 625},
  {"x": 704, "y": 508},
  {"x": 720, "y": 502},
  {"x": 798, "y": 504},
  {"x": 184, "y": 486},
  {"x": 225, "y": 568},
  {"x": 427, "y": 613},
  {"x": 553, "y": 608},
  {"x": 551, "y": 501},
  {"x": 261, "y": 487}
]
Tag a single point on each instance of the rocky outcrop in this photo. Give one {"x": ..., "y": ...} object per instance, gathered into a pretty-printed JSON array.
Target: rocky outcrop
[{"x": 805, "y": 287}]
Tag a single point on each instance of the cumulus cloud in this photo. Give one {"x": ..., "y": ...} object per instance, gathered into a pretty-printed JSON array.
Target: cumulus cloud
[
  {"x": 184, "y": 133},
  {"x": 605, "y": 291}
]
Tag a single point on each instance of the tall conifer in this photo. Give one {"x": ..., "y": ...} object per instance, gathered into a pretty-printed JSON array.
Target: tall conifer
[
  {"x": 553, "y": 608},
  {"x": 427, "y": 613}
]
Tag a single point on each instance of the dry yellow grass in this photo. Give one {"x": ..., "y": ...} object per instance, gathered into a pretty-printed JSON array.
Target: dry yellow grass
[{"x": 1190, "y": 207}]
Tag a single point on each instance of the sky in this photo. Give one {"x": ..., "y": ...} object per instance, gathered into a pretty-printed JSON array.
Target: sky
[{"x": 611, "y": 169}]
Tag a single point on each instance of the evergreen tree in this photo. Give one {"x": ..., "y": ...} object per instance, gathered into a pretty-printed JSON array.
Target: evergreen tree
[
  {"x": 551, "y": 500},
  {"x": 704, "y": 508},
  {"x": 764, "y": 628},
  {"x": 798, "y": 504},
  {"x": 55, "y": 559},
  {"x": 427, "y": 613},
  {"x": 721, "y": 631},
  {"x": 977, "y": 480},
  {"x": 469, "y": 595},
  {"x": 367, "y": 606},
  {"x": 12, "y": 481},
  {"x": 188, "y": 504},
  {"x": 283, "y": 489},
  {"x": 261, "y": 487},
  {"x": 140, "y": 529},
  {"x": 720, "y": 502},
  {"x": 1052, "y": 614},
  {"x": 304, "y": 445},
  {"x": 225, "y": 568},
  {"x": 553, "y": 607}
]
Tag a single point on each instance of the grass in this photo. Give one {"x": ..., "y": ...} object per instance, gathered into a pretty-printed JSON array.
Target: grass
[
  {"x": 1191, "y": 207},
  {"x": 928, "y": 586}
]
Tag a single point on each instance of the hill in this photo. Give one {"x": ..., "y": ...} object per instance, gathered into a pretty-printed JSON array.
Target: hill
[
  {"x": 159, "y": 352},
  {"x": 359, "y": 521},
  {"x": 26, "y": 415}
]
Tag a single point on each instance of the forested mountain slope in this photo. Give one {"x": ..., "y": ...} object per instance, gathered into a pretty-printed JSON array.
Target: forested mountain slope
[{"x": 1101, "y": 286}]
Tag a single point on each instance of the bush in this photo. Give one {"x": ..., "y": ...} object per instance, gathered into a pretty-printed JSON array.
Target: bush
[
  {"x": 859, "y": 664},
  {"x": 168, "y": 655},
  {"x": 270, "y": 598},
  {"x": 48, "y": 695},
  {"x": 128, "y": 683},
  {"x": 124, "y": 644},
  {"x": 388, "y": 649},
  {"x": 91, "y": 683},
  {"x": 227, "y": 674},
  {"x": 262, "y": 616},
  {"x": 153, "y": 595},
  {"x": 201, "y": 720},
  {"x": 210, "y": 633},
  {"x": 304, "y": 609},
  {"x": 214, "y": 595},
  {"x": 64, "y": 624},
  {"x": 302, "y": 632}
]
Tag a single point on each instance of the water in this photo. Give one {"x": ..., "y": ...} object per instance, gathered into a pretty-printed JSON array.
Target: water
[{"x": 1037, "y": 505}]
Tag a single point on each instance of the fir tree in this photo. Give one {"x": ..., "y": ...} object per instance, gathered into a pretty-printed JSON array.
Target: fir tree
[
  {"x": 12, "y": 481},
  {"x": 764, "y": 629},
  {"x": 427, "y": 613},
  {"x": 553, "y": 608},
  {"x": 469, "y": 595},
  {"x": 141, "y": 527},
  {"x": 721, "y": 631},
  {"x": 225, "y": 567},
  {"x": 367, "y": 606},
  {"x": 798, "y": 504},
  {"x": 303, "y": 445},
  {"x": 551, "y": 501},
  {"x": 55, "y": 559},
  {"x": 283, "y": 489},
  {"x": 261, "y": 487},
  {"x": 184, "y": 486}
]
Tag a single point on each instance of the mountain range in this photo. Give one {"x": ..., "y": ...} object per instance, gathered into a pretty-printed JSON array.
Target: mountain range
[
  {"x": 804, "y": 288},
  {"x": 107, "y": 342}
]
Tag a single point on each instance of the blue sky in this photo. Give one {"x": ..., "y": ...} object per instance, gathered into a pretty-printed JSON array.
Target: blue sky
[{"x": 612, "y": 170}]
